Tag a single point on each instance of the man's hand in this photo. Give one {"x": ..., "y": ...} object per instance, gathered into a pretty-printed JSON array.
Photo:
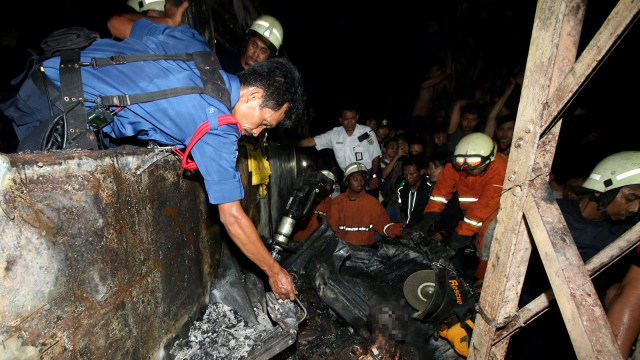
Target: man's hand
[
  {"x": 174, "y": 13},
  {"x": 457, "y": 241},
  {"x": 373, "y": 183},
  {"x": 120, "y": 25},
  {"x": 282, "y": 284}
]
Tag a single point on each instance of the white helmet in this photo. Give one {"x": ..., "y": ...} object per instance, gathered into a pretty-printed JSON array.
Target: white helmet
[
  {"x": 615, "y": 171},
  {"x": 328, "y": 174},
  {"x": 270, "y": 28},
  {"x": 355, "y": 167},
  {"x": 474, "y": 151},
  {"x": 144, "y": 5}
]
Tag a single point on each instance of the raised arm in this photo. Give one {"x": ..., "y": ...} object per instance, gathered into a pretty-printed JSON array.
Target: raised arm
[
  {"x": 490, "y": 128},
  {"x": 454, "y": 120},
  {"x": 120, "y": 25}
]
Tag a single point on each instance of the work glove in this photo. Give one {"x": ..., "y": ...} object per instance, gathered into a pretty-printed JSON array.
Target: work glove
[
  {"x": 421, "y": 229},
  {"x": 459, "y": 336},
  {"x": 457, "y": 241}
]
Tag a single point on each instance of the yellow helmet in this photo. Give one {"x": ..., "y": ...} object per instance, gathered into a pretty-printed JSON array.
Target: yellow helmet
[
  {"x": 144, "y": 5},
  {"x": 270, "y": 28}
]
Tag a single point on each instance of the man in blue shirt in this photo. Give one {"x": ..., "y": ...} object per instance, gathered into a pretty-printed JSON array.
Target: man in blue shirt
[{"x": 263, "y": 96}]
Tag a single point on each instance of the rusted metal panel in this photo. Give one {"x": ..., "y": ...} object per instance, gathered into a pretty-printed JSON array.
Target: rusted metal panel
[{"x": 103, "y": 255}]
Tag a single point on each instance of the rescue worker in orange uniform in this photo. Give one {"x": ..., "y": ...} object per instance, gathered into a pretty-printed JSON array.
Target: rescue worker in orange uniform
[
  {"x": 305, "y": 226},
  {"x": 355, "y": 215},
  {"x": 476, "y": 174}
]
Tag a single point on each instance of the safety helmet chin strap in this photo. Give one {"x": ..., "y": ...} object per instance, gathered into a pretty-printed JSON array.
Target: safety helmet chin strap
[{"x": 604, "y": 200}]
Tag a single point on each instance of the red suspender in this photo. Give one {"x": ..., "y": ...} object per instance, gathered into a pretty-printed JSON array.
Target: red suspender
[{"x": 189, "y": 164}]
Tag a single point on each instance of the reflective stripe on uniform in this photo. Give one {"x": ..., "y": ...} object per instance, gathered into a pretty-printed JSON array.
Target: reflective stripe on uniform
[
  {"x": 321, "y": 213},
  {"x": 467, "y": 199},
  {"x": 439, "y": 199},
  {"x": 472, "y": 222},
  {"x": 385, "y": 228},
  {"x": 358, "y": 228}
]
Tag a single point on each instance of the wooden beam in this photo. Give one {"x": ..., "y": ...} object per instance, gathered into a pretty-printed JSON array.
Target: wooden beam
[
  {"x": 579, "y": 304},
  {"x": 500, "y": 293},
  {"x": 594, "y": 266},
  {"x": 612, "y": 31}
]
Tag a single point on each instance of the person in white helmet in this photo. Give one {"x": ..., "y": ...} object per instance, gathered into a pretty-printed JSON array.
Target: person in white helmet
[
  {"x": 607, "y": 206},
  {"x": 476, "y": 174},
  {"x": 355, "y": 215},
  {"x": 264, "y": 39},
  {"x": 148, "y": 7}
]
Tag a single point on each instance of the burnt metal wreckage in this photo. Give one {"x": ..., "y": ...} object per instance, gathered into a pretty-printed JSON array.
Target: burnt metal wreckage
[{"x": 353, "y": 304}]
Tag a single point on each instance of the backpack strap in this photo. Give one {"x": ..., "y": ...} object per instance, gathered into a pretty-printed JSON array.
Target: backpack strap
[
  {"x": 206, "y": 63},
  {"x": 73, "y": 101}
]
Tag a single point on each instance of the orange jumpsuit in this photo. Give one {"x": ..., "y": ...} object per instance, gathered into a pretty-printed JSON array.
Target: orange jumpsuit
[
  {"x": 479, "y": 198},
  {"x": 305, "y": 226},
  {"x": 354, "y": 221}
]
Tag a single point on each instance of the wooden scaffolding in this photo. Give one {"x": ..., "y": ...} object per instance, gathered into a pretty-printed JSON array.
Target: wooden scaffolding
[{"x": 552, "y": 79}]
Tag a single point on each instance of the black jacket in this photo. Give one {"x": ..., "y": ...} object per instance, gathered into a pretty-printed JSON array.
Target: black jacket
[{"x": 422, "y": 198}]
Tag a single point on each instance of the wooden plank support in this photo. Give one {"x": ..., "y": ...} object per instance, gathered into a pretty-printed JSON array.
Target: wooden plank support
[
  {"x": 622, "y": 17},
  {"x": 552, "y": 80},
  {"x": 594, "y": 266},
  {"x": 579, "y": 304},
  {"x": 509, "y": 256},
  {"x": 551, "y": 54}
]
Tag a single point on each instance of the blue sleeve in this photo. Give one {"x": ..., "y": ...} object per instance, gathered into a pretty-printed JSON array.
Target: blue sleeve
[{"x": 215, "y": 154}]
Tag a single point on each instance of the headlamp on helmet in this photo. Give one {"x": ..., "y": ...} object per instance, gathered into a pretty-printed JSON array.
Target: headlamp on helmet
[{"x": 474, "y": 151}]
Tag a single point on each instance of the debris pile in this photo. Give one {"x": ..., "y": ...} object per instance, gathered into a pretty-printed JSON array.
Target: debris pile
[{"x": 221, "y": 334}]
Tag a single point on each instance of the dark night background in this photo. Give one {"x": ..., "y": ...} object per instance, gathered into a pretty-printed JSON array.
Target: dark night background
[{"x": 376, "y": 56}]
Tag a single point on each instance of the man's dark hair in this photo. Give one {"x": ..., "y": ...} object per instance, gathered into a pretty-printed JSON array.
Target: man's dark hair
[
  {"x": 505, "y": 119},
  {"x": 415, "y": 139},
  {"x": 282, "y": 84},
  {"x": 473, "y": 108},
  {"x": 416, "y": 160},
  {"x": 441, "y": 157},
  {"x": 348, "y": 106}
]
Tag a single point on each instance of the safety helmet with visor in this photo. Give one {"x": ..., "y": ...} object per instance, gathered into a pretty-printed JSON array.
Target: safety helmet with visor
[
  {"x": 268, "y": 27},
  {"x": 474, "y": 151},
  {"x": 145, "y": 5}
]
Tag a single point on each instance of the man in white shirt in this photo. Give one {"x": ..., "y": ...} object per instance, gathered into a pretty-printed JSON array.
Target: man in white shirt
[{"x": 350, "y": 142}]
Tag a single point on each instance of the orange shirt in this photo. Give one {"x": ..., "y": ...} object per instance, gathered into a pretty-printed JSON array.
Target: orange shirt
[
  {"x": 479, "y": 196},
  {"x": 354, "y": 221}
]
